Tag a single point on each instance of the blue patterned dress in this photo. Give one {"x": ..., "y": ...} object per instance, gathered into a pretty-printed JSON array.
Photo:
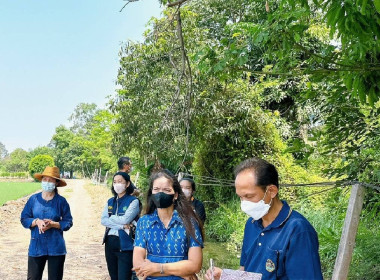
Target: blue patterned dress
[{"x": 165, "y": 245}]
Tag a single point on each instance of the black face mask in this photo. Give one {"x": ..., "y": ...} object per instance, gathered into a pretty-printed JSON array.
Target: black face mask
[{"x": 162, "y": 200}]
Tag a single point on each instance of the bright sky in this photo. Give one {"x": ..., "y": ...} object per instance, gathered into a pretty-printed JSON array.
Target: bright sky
[{"x": 57, "y": 54}]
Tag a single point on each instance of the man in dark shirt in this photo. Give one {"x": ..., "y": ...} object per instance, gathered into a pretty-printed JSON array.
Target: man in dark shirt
[
  {"x": 125, "y": 165},
  {"x": 278, "y": 242},
  {"x": 188, "y": 188}
]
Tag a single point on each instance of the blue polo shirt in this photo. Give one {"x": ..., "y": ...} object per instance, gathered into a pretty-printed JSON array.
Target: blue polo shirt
[
  {"x": 165, "y": 245},
  {"x": 286, "y": 249},
  {"x": 50, "y": 243}
]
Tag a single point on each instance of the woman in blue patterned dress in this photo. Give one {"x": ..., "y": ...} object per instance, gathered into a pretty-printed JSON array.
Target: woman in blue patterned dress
[{"x": 169, "y": 238}]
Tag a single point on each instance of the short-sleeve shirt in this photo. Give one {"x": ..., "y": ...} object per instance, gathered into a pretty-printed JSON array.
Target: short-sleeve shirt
[
  {"x": 286, "y": 249},
  {"x": 165, "y": 245}
]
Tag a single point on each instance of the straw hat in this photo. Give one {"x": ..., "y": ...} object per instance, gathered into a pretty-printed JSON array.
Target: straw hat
[{"x": 51, "y": 172}]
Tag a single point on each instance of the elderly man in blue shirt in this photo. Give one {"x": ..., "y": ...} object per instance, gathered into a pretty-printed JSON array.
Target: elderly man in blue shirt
[{"x": 278, "y": 242}]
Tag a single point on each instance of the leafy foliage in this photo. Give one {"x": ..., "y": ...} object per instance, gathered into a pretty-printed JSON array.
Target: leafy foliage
[
  {"x": 3, "y": 151},
  {"x": 295, "y": 82},
  {"x": 85, "y": 146},
  {"x": 17, "y": 161},
  {"x": 38, "y": 163},
  {"x": 83, "y": 118},
  {"x": 42, "y": 150}
]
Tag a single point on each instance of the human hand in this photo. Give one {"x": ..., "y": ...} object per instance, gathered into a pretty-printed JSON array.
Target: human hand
[
  {"x": 217, "y": 272},
  {"x": 146, "y": 268},
  {"x": 136, "y": 192},
  {"x": 127, "y": 226},
  {"x": 49, "y": 224},
  {"x": 41, "y": 225}
]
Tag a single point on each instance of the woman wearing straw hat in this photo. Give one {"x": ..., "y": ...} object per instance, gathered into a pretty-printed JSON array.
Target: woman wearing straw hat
[{"x": 47, "y": 215}]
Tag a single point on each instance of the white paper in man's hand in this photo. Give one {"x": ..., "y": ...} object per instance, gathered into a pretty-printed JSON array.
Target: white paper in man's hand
[{"x": 229, "y": 274}]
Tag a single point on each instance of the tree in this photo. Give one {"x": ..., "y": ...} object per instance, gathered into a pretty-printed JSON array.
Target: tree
[
  {"x": 291, "y": 81},
  {"x": 60, "y": 143},
  {"x": 43, "y": 150},
  {"x": 17, "y": 161},
  {"x": 83, "y": 117},
  {"x": 86, "y": 149},
  {"x": 327, "y": 49},
  {"x": 3, "y": 151},
  {"x": 38, "y": 163}
]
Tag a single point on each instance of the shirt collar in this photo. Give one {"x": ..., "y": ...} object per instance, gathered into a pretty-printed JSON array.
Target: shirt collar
[
  {"x": 281, "y": 218},
  {"x": 121, "y": 198},
  {"x": 155, "y": 219},
  {"x": 41, "y": 199}
]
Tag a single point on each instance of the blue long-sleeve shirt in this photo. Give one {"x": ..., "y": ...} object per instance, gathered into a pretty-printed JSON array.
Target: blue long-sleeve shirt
[{"x": 50, "y": 243}]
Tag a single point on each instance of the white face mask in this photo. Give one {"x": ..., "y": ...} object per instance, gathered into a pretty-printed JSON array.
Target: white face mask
[
  {"x": 47, "y": 186},
  {"x": 119, "y": 188},
  {"x": 187, "y": 193},
  {"x": 256, "y": 210}
]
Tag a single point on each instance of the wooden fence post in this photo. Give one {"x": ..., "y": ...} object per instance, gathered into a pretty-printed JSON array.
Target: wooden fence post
[
  {"x": 350, "y": 228},
  {"x": 136, "y": 179},
  {"x": 100, "y": 175},
  {"x": 105, "y": 179},
  {"x": 180, "y": 176}
]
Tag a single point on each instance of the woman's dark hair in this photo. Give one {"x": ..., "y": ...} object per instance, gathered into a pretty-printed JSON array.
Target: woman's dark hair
[
  {"x": 182, "y": 205},
  {"x": 265, "y": 173},
  {"x": 126, "y": 177},
  {"x": 189, "y": 180}
]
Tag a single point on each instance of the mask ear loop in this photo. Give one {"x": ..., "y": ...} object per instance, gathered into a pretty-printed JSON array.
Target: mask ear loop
[{"x": 270, "y": 202}]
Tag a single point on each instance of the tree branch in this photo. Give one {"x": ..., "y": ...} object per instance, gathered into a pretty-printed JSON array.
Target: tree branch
[
  {"x": 129, "y": 1},
  {"x": 177, "y": 3}
]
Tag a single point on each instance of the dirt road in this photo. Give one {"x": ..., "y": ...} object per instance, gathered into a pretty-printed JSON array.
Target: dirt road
[{"x": 85, "y": 254}]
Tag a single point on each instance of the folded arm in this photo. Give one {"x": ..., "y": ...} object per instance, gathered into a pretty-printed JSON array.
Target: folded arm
[
  {"x": 105, "y": 220},
  {"x": 129, "y": 215},
  {"x": 144, "y": 267}
]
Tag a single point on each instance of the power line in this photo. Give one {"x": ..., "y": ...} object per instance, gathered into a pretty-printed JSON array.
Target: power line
[{"x": 216, "y": 182}]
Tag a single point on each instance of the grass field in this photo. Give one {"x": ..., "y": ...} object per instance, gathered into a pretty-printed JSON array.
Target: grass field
[
  {"x": 14, "y": 190},
  {"x": 222, "y": 258}
]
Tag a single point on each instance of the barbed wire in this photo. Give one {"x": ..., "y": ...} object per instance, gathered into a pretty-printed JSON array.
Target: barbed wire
[{"x": 216, "y": 182}]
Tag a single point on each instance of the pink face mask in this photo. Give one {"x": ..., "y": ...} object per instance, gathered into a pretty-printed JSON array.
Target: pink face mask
[
  {"x": 119, "y": 188},
  {"x": 187, "y": 193}
]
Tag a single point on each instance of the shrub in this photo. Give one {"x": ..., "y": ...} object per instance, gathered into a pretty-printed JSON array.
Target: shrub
[
  {"x": 39, "y": 162},
  {"x": 226, "y": 223},
  {"x": 14, "y": 174}
]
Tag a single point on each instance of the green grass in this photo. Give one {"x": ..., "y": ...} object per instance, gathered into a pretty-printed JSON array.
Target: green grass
[
  {"x": 222, "y": 258},
  {"x": 14, "y": 190}
]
